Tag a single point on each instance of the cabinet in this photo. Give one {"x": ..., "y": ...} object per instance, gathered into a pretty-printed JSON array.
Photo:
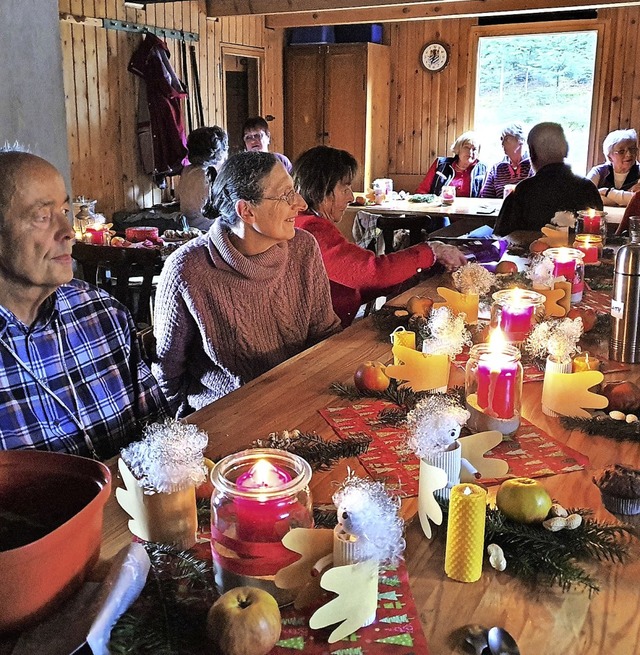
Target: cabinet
[{"x": 338, "y": 95}]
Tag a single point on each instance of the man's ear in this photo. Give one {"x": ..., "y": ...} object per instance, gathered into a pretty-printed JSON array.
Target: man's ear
[{"x": 245, "y": 210}]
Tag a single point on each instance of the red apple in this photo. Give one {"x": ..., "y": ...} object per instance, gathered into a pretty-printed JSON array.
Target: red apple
[
  {"x": 371, "y": 376},
  {"x": 523, "y": 500},
  {"x": 506, "y": 266},
  {"x": 419, "y": 305},
  {"x": 588, "y": 316},
  {"x": 244, "y": 621},
  {"x": 206, "y": 488}
]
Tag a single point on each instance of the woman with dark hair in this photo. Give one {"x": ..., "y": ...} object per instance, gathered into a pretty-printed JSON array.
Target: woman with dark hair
[
  {"x": 208, "y": 149},
  {"x": 323, "y": 177},
  {"x": 252, "y": 292}
]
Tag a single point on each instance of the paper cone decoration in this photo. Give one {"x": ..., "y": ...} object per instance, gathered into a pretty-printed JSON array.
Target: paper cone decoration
[
  {"x": 431, "y": 480},
  {"x": 304, "y": 574},
  {"x": 420, "y": 372},
  {"x": 357, "y": 589},
  {"x": 553, "y": 298},
  {"x": 460, "y": 302},
  {"x": 474, "y": 448},
  {"x": 449, "y": 462},
  {"x": 567, "y": 394},
  {"x": 166, "y": 518}
]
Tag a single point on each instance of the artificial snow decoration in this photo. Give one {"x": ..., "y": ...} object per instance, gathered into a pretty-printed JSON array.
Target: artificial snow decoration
[
  {"x": 557, "y": 339},
  {"x": 447, "y": 333},
  {"x": 473, "y": 278}
]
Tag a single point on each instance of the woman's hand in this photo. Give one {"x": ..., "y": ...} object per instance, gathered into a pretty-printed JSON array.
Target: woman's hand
[{"x": 449, "y": 256}]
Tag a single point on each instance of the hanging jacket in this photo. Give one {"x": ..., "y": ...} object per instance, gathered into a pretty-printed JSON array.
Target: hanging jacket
[{"x": 164, "y": 92}]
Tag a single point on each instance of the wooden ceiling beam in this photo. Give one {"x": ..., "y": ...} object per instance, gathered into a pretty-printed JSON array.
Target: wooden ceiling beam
[{"x": 300, "y": 13}]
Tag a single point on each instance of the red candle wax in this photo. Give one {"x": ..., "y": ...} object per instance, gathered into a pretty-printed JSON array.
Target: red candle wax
[
  {"x": 497, "y": 376},
  {"x": 589, "y": 249},
  {"x": 96, "y": 235},
  {"x": 515, "y": 322},
  {"x": 566, "y": 269},
  {"x": 260, "y": 514},
  {"x": 591, "y": 224}
]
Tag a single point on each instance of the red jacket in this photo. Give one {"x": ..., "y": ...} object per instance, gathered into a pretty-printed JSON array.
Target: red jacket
[{"x": 357, "y": 275}]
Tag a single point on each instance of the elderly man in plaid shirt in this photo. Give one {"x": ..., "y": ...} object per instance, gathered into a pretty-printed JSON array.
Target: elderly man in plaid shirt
[{"x": 71, "y": 376}]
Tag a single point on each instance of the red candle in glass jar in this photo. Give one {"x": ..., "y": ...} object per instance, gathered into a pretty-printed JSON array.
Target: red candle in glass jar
[
  {"x": 497, "y": 378},
  {"x": 259, "y": 515},
  {"x": 590, "y": 246},
  {"x": 591, "y": 223},
  {"x": 566, "y": 269},
  {"x": 515, "y": 322},
  {"x": 95, "y": 235}
]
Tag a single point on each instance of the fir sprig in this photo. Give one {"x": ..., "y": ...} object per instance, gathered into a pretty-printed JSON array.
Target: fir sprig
[{"x": 603, "y": 426}]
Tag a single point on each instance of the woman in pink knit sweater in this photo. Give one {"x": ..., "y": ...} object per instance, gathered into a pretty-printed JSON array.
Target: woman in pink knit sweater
[
  {"x": 252, "y": 292},
  {"x": 323, "y": 176}
]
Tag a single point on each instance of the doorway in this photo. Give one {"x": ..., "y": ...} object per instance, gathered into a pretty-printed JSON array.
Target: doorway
[{"x": 241, "y": 71}]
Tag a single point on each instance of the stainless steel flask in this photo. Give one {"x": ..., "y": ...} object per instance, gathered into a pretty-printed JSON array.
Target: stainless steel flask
[{"x": 625, "y": 305}]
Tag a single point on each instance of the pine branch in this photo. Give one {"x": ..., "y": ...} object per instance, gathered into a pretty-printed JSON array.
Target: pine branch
[
  {"x": 325, "y": 516},
  {"x": 603, "y": 426}
]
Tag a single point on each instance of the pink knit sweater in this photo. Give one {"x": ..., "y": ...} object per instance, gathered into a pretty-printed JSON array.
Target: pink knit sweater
[
  {"x": 357, "y": 275},
  {"x": 222, "y": 319}
]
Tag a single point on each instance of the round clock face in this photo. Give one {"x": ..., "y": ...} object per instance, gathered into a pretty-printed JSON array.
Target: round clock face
[{"x": 434, "y": 56}]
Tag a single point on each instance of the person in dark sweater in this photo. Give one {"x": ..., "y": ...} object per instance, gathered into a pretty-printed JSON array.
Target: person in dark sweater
[{"x": 554, "y": 188}]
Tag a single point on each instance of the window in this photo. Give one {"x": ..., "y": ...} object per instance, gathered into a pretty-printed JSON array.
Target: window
[{"x": 530, "y": 78}]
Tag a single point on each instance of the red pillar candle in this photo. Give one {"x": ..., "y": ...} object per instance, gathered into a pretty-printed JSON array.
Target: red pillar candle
[
  {"x": 591, "y": 224},
  {"x": 568, "y": 264},
  {"x": 590, "y": 245},
  {"x": 496, "y": 385},
  {"x": 513, "y": 311},
  {"x": 95, "y": 235}
]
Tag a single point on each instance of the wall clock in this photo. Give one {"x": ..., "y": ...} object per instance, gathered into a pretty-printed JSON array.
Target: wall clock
[{"x": 434, "y": 56}]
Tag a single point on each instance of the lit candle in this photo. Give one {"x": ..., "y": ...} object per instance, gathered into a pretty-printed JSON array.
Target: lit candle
[
  {"x": 591, "y": 222},
  {"x": 465, "y": 533},
  {"x": 590, "y": 245},
  {"x": 448, "y": 195},
  {"x": 513, "y": 311},
  {"x": 95, "y": 235},
  {"x": 402, "y": 337},
  {"x": 259, "y": 515},
  {"x": 567, "y": 264},
  {"x": 585, "y": 362}
]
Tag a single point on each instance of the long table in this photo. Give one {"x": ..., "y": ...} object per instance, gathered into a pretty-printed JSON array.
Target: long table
[{"x": 542, "y": 620}]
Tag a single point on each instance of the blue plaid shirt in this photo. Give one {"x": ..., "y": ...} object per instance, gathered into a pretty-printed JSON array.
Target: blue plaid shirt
[{"x": 85, "y": 338}]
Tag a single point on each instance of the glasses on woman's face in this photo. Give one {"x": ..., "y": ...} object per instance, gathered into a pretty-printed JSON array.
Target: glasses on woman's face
[
  {"x": 621, "y": 152},
  {"x": 289, "y": 197},
  {"x": 253, "y": 136}
]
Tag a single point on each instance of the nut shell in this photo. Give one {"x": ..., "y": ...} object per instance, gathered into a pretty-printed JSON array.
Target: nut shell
[{"x": 555, "y": 524}]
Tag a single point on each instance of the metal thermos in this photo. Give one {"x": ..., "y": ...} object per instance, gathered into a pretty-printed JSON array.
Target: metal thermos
[{"x": 625, "y": 305}]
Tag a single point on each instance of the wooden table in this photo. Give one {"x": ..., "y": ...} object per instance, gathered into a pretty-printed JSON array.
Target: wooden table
[{"x": 544, "y": 621}]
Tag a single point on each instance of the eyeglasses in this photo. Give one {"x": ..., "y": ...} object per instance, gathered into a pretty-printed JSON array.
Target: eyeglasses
[
  {"x": 624, "y": 151},
  {"x": 289, "y": 197},
  {"x": 255, "y": 136}
]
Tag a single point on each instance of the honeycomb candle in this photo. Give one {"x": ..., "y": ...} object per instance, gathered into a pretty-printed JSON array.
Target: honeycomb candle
[{"x": 465, "y": 533}]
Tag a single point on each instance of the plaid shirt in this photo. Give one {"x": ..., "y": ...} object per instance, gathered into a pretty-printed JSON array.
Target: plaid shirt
[{"x": 85, "y": 338}]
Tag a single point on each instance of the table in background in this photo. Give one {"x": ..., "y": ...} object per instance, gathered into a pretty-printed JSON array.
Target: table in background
[{"x": 542, "y": 620}]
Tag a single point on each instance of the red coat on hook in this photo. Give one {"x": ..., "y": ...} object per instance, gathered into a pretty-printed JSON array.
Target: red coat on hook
[{"x": 164, "y": 92}]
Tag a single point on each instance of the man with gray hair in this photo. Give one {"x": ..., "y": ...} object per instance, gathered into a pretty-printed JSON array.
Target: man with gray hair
[
  {"x": 554, "y": 188},
  {"x": 617, "y": 179}
]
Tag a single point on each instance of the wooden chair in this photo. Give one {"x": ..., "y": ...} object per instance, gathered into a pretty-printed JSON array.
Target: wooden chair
[
  {"x": 112, "y": 268},
  {"x": 415, "y": 223}
]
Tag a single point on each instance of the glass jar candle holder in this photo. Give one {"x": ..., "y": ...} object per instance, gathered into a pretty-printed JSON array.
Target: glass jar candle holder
[
  {"x": 568, "y": 263},
  {"x": 514, "y": 311},
  {"x": 448, "y": 195},
  {"x": 592, "y": 221},
  {"x": 590, "y": 245},
  {"x": 259, "y": 495},
  {"x": 493, "y": 388}
]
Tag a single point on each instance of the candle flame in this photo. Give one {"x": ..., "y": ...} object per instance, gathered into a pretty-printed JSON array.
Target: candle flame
[
  {"x": 264, "y": 474},
  {"x": 497, "y": 340},
  {"x": 467, "y": 491}
]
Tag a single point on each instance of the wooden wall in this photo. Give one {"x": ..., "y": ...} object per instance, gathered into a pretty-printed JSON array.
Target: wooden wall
[
  {"x": 431, "y": 110},
  {"x": 101, "y": 95}
]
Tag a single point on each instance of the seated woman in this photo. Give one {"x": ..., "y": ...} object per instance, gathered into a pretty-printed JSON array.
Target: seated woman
[
  {"x": 513, "y": 168},
  {"x": 462, "y": 171},
  {"x": 617, "y": 179},
  {"x": 208, "y": 149},
  {"x": 633, "y": 209},
  {"x": 323, "y": 176},
  {"x": 252, "y": 292}
]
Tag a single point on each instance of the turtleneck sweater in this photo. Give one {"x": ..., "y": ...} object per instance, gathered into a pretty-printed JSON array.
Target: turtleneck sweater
[{"x": 223, "y": 318}]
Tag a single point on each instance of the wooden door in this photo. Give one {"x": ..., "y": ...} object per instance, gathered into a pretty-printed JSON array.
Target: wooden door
[
  {"x": 345, "y": 101},
  {"x": 304, "y": 98}
]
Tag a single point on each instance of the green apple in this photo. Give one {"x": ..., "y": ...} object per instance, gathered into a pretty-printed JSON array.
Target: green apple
[
  {"x": 523, "y": 500},
  {"x": 244, "y": 621}
]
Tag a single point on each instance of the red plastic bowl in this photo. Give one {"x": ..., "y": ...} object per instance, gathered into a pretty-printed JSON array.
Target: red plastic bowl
[{"x": 51, "y": 509}]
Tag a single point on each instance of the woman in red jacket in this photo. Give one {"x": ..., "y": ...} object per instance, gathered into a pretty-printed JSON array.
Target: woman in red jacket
[{"x": 323, "y": 176}]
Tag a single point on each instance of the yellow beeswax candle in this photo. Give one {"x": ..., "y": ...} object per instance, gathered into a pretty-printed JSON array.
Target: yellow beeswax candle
[
  {"x": 459, "y": 303},
  {"x": 585, "y": 362},
  {"x": 465, "y": 533},
  {"x": 402, "y": 337},
  {"x": 564, "y": 302}
]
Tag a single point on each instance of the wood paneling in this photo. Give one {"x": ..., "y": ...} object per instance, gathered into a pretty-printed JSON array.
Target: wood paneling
[
  {"x": 429, "y": 110},
  {"x": 101, "y": 95}
]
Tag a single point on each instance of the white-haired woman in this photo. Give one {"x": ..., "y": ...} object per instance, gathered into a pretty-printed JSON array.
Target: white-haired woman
[
  {"x": 463, "y": 171},
  {"x": 514, "y": 167},
  {"x": 618, "y": 178}
]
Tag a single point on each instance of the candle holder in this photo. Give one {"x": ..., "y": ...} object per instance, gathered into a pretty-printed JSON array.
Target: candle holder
[
  {"x": 448, "y": 195},
  {"x": 493, "y": 388},
  {"x": 568, "y": 264},
  {"x": 514, "y": 311},
  {"x": 259, "y": 495},
  {"x": 592, "y": 221},
  {"x": 590, "y": 245}
]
